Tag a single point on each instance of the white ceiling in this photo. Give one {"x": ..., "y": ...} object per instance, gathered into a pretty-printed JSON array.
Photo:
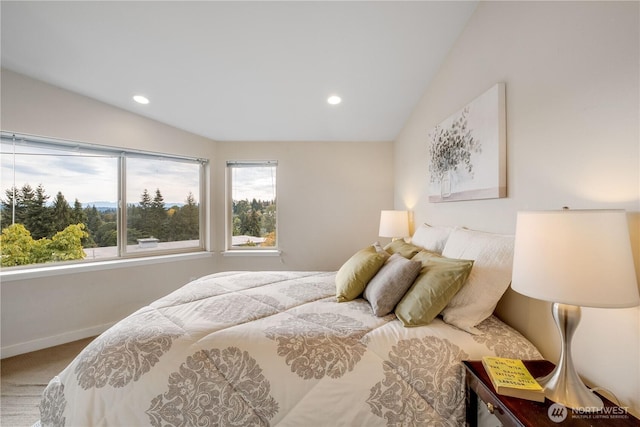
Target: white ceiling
[{"x": 242, "y": 70}]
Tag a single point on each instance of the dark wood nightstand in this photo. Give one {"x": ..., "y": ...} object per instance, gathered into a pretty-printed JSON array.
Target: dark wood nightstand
[{"x": 512, "y": 411}]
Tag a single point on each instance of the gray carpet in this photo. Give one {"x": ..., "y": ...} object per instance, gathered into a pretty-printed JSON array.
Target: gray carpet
[{"x": 24, "y": 377}]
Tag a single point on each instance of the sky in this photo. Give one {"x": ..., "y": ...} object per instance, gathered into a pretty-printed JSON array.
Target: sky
[
  {"x": 254, "y": 182},
  {"x": 90, "y": 178}
]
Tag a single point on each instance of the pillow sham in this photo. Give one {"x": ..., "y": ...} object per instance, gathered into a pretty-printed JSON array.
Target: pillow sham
[
  {"x": 390, "y": 284},
  {"x": 353, "y": 276},
  {"x": 439, "y": 280},
  {"x": 488, "y": 280},
  {"x": 431, "y": 238},
  {"x": 378, "y": 247},
  {"x": 403, "y": 248}
]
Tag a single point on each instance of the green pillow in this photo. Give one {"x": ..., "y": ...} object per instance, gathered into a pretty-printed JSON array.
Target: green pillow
[
  {"x": 354, "y": 275},
  {"x": 403, "y": 248},
  {"x": 439, "y": 280}
]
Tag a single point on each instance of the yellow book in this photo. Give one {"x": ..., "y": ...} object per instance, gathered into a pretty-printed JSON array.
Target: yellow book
[{"x": 511, "y": 378}]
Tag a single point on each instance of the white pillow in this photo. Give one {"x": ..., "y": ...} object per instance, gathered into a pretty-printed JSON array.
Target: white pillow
[
  {"x": 489, "y": 278},
  {"x": 431, "y": 238}
]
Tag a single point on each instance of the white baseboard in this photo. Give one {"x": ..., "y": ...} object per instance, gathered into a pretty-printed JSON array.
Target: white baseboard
[{"x": 46, "y": 342}]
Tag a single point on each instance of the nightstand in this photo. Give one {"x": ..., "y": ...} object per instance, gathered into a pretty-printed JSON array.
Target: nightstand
[{"x": 512, "y": 411}]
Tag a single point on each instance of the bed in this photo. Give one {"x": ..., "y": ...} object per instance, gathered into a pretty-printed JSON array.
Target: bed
[{"x": 292, "y": 348}]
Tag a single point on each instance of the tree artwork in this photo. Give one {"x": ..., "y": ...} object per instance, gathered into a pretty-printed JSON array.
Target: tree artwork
[
  {"x": 467, "y": 151},
  {"x": 451, "y": 148}
]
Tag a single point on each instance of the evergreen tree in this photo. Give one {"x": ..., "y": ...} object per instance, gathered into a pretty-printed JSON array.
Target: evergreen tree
[
  {"x": 61, "y": 213},
  {"x": 7, "y": 206},
  {"x": 134, "y": 222},
  {"x": 107, "y": 235},
  {"x": 250, "y": 224},
  {"x": 192, "y": 215},
  {"x": 24, "y": 200},
  {"x": 158, "y": 217},
  {"x": 268, "y": 219},
  {"x": 144, "y": 213},
  {"x": 94, "y": 221},
  {"x": 38, "y": 220},
  {"x": 184, "y": 222},
  {"x": 78, "y": 216}
]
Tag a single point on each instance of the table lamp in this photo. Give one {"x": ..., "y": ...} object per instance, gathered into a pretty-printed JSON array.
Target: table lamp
[
  {"x": 394, "y": 224},
  {"x": 574, "y": 258}
]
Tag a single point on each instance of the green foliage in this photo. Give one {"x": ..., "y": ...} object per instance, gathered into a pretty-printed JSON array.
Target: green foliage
[
  {"x": 61, "y": 212},
  {"x": 17, "y": 247},
  {"x": 42, "y": 233},
  {"x": 256, "y": 218},
  {"x": 67, "y": 244}
]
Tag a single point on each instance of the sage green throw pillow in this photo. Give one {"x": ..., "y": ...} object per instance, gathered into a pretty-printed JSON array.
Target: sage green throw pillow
[
  {"x": 439, "y": 280},
  {"x": 403, "y": 248},
  {"x": 354, "y": 274}
]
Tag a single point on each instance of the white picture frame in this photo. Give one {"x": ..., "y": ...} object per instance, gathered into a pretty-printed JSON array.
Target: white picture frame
[{"x": 467, "y": 151}]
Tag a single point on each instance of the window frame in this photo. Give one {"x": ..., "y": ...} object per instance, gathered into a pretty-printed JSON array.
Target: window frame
[
  {"x": 121, "y": 154},
  {"x": 231, "y": 250}
]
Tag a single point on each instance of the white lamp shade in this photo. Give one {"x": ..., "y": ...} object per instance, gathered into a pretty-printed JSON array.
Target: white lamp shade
[
  {"x": 577, "y": 257},
  {"x": 394, "y": 224}
]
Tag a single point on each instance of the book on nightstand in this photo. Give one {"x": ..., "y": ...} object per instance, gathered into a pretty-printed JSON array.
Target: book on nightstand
[{"x": 511, "y": 378}]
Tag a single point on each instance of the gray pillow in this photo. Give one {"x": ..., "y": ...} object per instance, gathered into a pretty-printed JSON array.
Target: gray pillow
[{"x": 390, "y": 284}]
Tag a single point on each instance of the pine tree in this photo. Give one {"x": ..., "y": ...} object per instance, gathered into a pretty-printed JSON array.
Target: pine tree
[
  {"x": 250, "y": 224},
  {"x": 24, "y": 200},
  {"x": 158, "y": 217},
  {"x": 94, "y": 221},
  {"x": 78, "y": 215},
  {"x": 192, "y": 216},
  {"x": 7, "y": 206},
  {"x": 39, "y": 219},
  {"x": 61, "y": 213},
  {"x": 143, "y": 218}
]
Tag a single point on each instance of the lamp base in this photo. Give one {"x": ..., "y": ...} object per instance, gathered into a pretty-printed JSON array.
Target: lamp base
[{"x": 563, "y": 385}]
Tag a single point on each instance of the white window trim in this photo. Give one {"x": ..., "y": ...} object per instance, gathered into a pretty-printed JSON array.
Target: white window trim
[
  {"x": 47, "y": 270},
  {"x": 250, "y": 251},
  {"x": 123, "y": 257}
]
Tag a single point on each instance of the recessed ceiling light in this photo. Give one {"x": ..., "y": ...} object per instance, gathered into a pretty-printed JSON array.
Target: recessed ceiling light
[
  {"x": 141, "y": 99},
  {"x": 334, "y": 100}
]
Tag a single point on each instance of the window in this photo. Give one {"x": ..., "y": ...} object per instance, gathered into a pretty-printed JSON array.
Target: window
[
  {"x": 252, "y": 213},
  {"x": 63, "y": 201}
]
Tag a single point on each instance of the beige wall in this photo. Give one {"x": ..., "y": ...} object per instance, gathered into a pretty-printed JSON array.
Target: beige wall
[
  {"x": 572, "y": 95},
  {"x": 329, "y": 199}
]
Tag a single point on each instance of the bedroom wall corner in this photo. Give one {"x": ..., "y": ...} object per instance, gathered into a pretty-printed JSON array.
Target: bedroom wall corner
[
  {"x": 330, "y": 196},
  {"x": 329, "y": 199},
  {"x": 573, "y": 125},
  {"x": 38, "y": 312}
]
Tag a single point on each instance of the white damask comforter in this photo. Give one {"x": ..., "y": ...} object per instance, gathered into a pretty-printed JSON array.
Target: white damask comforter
[{"x": 271, "y": 348}]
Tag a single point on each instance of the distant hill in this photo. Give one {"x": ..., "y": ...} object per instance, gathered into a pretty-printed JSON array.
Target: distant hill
[{"x": 103, "y": 206}]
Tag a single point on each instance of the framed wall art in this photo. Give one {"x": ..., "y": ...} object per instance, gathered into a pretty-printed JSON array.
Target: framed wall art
[{"x": 467, "y": 151}]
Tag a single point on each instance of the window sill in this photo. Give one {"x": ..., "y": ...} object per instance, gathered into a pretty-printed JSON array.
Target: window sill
[
  {"x": 253, "y": 252},
  {"x": 57, "y": 270}
]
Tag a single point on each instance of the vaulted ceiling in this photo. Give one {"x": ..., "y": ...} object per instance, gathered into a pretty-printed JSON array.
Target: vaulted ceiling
[{"x": 242, "y": 70}]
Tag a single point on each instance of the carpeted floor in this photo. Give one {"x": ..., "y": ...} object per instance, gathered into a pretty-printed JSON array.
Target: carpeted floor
[{"x": 24, "y": 377}]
